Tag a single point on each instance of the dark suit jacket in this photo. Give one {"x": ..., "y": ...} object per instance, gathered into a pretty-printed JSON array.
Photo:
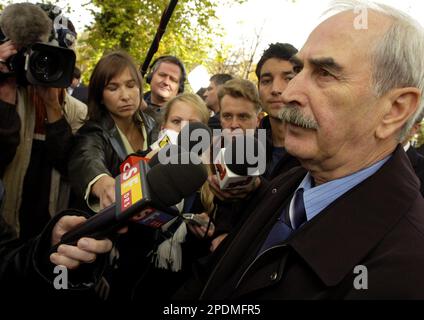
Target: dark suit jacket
[
  {"x": 417, "y": 161},
  {"x": 378, "y": 224},
  {"x": 81, "y": 93},
  {"x": 420, "y": 149},
  {"x": 215, "y": 122}
]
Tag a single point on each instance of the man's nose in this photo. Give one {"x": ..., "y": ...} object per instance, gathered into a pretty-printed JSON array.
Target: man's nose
[
  {"x": 295, "y": 91},
  {"x": 166, "y": 80},
  {"x": 276, "y": 89},
  {"x": 235, "y": 124}
]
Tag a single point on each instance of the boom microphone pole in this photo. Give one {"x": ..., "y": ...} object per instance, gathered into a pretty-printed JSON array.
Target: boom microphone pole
[{"x": 166, "y": 16}]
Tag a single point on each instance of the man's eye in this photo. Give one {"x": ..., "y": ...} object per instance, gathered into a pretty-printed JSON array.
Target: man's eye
[
  {"x": 323, "y": 73},
  {"x": 289, "y": 77},
  {"x": 176, "y": 121},
  {"x": 265, "y": 82},
  {"x": 297, "y": 69}
]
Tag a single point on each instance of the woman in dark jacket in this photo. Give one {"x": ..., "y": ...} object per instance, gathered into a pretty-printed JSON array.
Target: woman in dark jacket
[
  {"x": 154, "y": 263},
  {"x": 116, "y": 127}
]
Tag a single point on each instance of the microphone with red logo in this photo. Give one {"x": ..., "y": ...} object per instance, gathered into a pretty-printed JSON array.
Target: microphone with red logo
[
  {"x": 166, "y": 140},
  {"x": 131, "y": 160},
  {"x": 239, "y": 162},
  {"x": 144, "y": 195},
  {"x": 166, "y": 137},
  {"x": 195, "y": 137}
]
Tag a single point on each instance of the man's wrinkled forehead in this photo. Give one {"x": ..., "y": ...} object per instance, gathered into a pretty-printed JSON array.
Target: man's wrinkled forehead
[
  {"x": 370, "y": 27},
  {"x": 338, "y": 39}
]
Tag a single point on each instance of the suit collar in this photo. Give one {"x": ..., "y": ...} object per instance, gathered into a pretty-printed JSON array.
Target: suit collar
[
  {"x": 413, "y": 156},
  {"x": 336, "y": 240}
]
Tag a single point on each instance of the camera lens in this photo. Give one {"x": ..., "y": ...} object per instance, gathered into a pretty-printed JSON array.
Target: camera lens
[
  {"x": 49, "y": 65},
  {"x": 45, "y": 66}
]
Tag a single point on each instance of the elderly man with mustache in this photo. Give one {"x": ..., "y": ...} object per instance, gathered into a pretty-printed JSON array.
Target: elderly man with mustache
[{"x": 350, "y": 223}]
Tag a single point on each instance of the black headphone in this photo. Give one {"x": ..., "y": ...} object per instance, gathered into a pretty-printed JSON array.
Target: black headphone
[{"x": 170, "y": 59}]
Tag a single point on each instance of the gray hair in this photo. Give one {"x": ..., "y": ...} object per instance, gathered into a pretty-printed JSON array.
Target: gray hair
[{"x": 397, "y": 57}]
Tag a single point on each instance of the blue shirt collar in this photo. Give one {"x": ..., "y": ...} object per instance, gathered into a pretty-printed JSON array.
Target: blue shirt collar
[{"x": 317, "y": 198}]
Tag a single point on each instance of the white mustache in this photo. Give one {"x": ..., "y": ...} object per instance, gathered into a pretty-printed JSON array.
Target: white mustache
[{"x": 291, "y": 114}]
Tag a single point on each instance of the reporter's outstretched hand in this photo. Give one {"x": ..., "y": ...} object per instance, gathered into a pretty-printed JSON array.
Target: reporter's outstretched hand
[
  {"x": 86, "y": 250},
  {"x": 104, "y": 189},
  {"x": 235, "y": 194}
]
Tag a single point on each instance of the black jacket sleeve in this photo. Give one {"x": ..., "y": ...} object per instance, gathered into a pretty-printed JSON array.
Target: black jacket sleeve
[
  {"x": 15, "y": 261},
  {"x": 91, "y": 156},
  {"x": 58, "y": 143},
  {"x": 203, "y": 267},
  {"x": 229, "y": 214},
  {"x": 25, "y": 269},
  {"x": 10, "y": 125}
]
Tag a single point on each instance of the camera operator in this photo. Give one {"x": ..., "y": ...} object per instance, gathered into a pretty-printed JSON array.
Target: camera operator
[{"x": 35, "y": 140}]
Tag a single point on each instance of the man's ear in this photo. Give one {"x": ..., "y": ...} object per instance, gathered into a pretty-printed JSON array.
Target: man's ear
[{"x": 400, "y": 105}]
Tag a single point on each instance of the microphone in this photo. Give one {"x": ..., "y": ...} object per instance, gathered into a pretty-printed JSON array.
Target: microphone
[
  {"x": 239, "y": 162},
  {"x": 195, "y": 137},
  {"x": 144, "y": 195},
  {"x": 166, "y": 137},
  {"x": 25, "y": 24},
  {"x": 39, "y": 60},
  {"x": 130, "y": 161},
  {"x": 165, "y": 153}
]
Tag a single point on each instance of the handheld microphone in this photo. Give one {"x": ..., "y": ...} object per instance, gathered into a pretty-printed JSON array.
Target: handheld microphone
[
  {"x": 167, "y": 140},
  {"x": 240, "y": 162},
  {"x": 195, "y": 137},
  {"x": 166, "y": 137},
  {"x": 25, "y": 24},
  {"x": 130, "y": 161},
  {"x": 143, "y": 195}
]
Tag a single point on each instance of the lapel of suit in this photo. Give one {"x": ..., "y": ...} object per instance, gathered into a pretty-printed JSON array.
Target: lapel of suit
[
  {"x": 412, "y": 156},
  {"x": 332, "y": 243},
  {"x": 341, "y": 236},
  {"x": 243, "y": 244}
]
